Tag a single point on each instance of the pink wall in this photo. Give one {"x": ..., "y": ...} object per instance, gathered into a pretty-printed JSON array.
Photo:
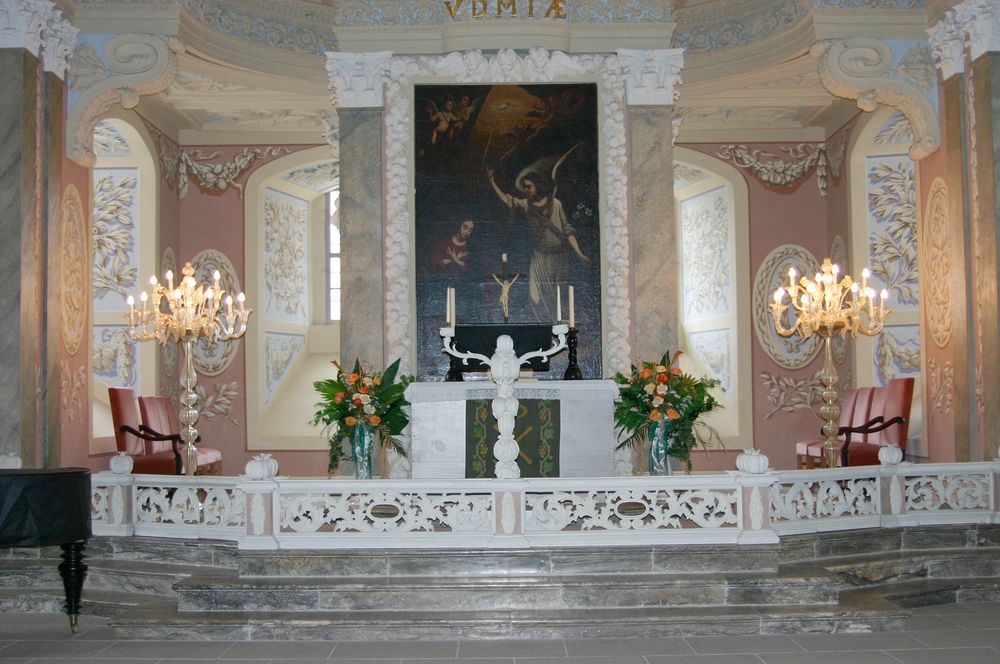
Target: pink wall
[
  {"x": 215, "y": 220},
  {"x": 798, "y": 214}
]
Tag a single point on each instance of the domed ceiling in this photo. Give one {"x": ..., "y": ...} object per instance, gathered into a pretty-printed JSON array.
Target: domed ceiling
[{"x": 258, "y": 66}]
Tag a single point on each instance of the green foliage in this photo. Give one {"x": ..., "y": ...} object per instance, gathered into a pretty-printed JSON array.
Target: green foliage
[
  {"x": 661, "y": 394},
  {"x": 362, "y": 396}
]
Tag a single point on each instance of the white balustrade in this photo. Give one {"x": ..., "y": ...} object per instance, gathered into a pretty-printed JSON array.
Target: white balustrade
[{"x": 289, "y": 513}]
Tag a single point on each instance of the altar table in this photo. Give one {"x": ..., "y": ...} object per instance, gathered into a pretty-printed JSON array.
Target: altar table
[{"x": 586, "y": 426}]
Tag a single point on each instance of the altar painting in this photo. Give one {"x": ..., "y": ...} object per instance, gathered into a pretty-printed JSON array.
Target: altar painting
[{"x": 507, "y": 212}]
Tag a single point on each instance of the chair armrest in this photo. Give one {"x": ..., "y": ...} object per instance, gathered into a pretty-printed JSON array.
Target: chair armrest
[
  {"x": 150, "y": 435},
  {"x": 874, "y": 425}
]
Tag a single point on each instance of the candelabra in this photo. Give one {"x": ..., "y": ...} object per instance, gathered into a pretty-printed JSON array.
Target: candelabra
[
  {"x": 184, "y": 315},
  {"x": 505, "y": 365},
  {"x": 825, "y": 306}
]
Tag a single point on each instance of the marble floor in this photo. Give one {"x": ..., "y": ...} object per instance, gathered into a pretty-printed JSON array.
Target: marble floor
[{"x": 948, "y": 634}]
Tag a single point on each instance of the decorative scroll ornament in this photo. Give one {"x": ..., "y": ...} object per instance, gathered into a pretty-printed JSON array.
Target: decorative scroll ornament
[
  {"x": 73, "y": 287},
  {"x": 861, "y": 68},
  {"x": 792, "y": 352},
  {"x": 617, "y": 510},
  {"x": 212, "y": 357},
  {"x": 219, "y": 403},
  {"x": 818, "y": 499},
  {"x": 133, "y": 65},
  {"x": 941, "y": 387},
  {"x": 357, "y": 79},
  {"x": 802, "y": 159},
  {"x": 405, "y": 512},
  {"x": 937, "y": 259},
  {"x": 652, "y": 78},
  {"x": 948, "y": 492},
  {"x": 506, "y": 66},
  {"x": 891, "y": 356}
]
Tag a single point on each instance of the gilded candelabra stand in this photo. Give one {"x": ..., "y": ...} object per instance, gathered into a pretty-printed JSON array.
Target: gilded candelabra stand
[
  {"x": 828, "y": 305},
  {"x": 185, "y": 315}
]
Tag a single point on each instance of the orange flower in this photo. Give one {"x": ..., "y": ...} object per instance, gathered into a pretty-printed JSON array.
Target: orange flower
[
  {"x": 339, "y": 396},
  {"x": 661, "y": 378},
  {"x": 676, "y": 371},
  {"x": 350, "y": 420},
  {"x": 375, "y": 420},
  {"x": 672, "y": 414},
  {"x": 655, "y": 415},
  {"x": 357, "y": 402},
  {"x": 377, "y": 380},
  {"x": 352, "y": 378},
  {"x": 363, "y": 389},
  {"x": 645, "y": 373}
]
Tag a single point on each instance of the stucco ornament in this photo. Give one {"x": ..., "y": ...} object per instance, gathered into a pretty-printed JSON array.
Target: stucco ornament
[
  {"x": 506, "y": 66},
  {"x": 218, "y": 176},
  {"x": 799, "y": 163},
  {"x": 74, "y": 263},
  {"x": 941, "y": 387},
  {"x": 752, "y": 461},
  {"x": 947, "y": 41},
  {"x": 121, "y": 464},
  {"x": 861, "y": 68},
  {"x": 937, "y": 259},
  {"x": 261, "y": 467},
  {"x": 980, "y": 22},
  {"x": 213, "y": 357},
  {"x": 792, "y": 352},
  {"x": 357, "y": 79},
  {"x": 791, "y": 394},
  {"x": 59, "y": 40},
  {"x": 652, "y": 77},
  {"x": 132, "y": 65}
]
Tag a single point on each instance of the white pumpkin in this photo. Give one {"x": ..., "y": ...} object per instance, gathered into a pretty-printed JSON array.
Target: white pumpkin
[
  {"x": 752, "y": 462},
  {"x": 121, "y": 464},
  {"x": 261, "y": 467},
  {"x": 890, "y": 455}
]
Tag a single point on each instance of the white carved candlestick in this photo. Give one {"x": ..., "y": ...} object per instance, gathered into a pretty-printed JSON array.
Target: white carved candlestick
[{"x": 505, "y": 365}]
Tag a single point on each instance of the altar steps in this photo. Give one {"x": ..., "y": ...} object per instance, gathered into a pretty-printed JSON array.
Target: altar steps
[{"x": 836, "y": 582}]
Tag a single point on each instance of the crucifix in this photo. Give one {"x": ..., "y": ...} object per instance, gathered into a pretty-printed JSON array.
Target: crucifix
[{"x": 505, "y": 285}]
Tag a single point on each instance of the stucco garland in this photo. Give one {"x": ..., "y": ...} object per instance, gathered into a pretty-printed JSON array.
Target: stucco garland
[{"x": 506, "y": 66}]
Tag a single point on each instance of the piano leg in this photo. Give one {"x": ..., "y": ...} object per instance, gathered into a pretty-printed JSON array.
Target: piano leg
[{"x": 73, "y": 571}]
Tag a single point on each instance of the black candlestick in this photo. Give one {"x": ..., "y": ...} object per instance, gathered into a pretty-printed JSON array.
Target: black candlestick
[
  {"x": 454, "y": 374},
  {"x": 572, "y": 370}
]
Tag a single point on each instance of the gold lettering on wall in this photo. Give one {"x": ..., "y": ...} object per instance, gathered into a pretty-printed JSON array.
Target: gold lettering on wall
[
  {"x": 504, "y": 8},
  {"x": 506, "y": 4}
]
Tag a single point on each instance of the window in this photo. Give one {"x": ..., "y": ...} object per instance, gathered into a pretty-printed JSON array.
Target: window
[{"x": 333, "y": 256}]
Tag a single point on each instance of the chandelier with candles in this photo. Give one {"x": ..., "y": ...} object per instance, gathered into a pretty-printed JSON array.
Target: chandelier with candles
[
  {"x": 827, "y": 305},
  {"x": 186, "y": 314}
]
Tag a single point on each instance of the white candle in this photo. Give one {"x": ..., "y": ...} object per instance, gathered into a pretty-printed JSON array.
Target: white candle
[
  {"x": 558, "y": 303},
  {"x": 229, "y": 308},
  {"x": 241, "y": 303},
  {"x": 572, "y": 309},
  {"x": 447, "y": 306},
  {"x": 503, "y": 258},
  {"x": 454, "y": 307}
]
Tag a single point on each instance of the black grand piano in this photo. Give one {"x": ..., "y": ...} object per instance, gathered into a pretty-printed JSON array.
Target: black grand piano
[{"x": 45, "y": 508}]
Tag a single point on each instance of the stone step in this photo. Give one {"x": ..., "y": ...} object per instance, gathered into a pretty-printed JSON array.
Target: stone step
[
  {"x": 128, "y": 576},
  {"x": 896, "y": 567},
  {"x": 522, "y": 624},
  {"x": 703, "y": 559},
  {"x": 93, "y": 602},
  {"x": 191, "y": 553},
  {"x": 218, "y": 593}
]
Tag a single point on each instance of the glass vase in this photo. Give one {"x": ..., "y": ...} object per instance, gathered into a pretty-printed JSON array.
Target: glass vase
[
  {"x": 659, "y": 446},
  {"x": 361, "y": 451}
]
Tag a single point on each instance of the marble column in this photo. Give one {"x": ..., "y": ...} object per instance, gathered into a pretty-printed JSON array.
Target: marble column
[
  {"x": 357, "y": 82},
  {"x": 20, "y": 211},
  {"x": 362, "y": 333},
  {"x": 650, "y": 90},
  {"x": 966, "y": 47}
]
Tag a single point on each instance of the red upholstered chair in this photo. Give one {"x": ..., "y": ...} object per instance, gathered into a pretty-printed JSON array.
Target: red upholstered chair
[
  {"x": 158, "y": 418},
  {"x": 152, "y": 454},
  {"x": 870, "y": 417}
]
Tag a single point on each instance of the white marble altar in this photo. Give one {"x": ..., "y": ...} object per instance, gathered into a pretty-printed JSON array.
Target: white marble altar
[{"x": 586, "y": 426}]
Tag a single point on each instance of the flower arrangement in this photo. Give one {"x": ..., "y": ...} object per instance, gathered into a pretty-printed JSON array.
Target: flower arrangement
[
  {"x": 362, "y": 398},
  {"x": 661, "y": 394}
]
